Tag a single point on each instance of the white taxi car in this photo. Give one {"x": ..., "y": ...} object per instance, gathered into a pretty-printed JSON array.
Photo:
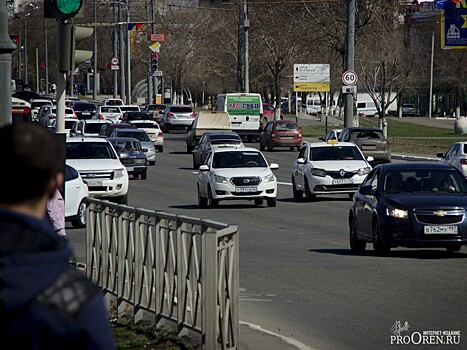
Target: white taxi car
[
  {"x": 99, "y": 165},
  {"x": 327, "y": 168},
  {"x": 236, "y": 173}
]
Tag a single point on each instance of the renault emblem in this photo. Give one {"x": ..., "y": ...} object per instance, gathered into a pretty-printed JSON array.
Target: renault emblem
[{"x": 342, "y": 172}]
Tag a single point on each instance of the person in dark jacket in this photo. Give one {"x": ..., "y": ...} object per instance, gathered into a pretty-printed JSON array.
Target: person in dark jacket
[{"x": 44, "y": 302}]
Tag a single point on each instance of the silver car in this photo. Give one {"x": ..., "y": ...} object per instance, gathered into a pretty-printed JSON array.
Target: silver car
[{"x": 177, "y": 117}]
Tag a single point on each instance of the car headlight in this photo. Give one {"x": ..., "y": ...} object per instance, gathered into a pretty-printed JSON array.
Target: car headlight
[
  {"x": 119, "y": 173},
  {"x": 318, "y": 172},
  {"x": 152, "y": 148},
  {"x": 363, "y": 171},
  {"x": 220, "y": 179},
  {"x": 269, "y": 178},
  {"x": 140, "y": 161},
  {"x": 397, "y": 213}
]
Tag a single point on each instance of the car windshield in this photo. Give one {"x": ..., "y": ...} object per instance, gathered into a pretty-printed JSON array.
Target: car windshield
[
  {"x": 239, "y": 159},
  {"x": 84, "y": 106},
  {"x": 129, "y": 108},
  {"x": 142, "y": 136},
  {"x": 335, "y": 153},
  {"x": 126, "y": 146},
  {"x": 426, "y": 180},
  {"x": 89, "y": 150}
]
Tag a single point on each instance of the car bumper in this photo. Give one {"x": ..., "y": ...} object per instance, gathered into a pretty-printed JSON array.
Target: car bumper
[
  {"x": 108, "y": 188},
  {"x": 136, "y": 169},
  {"x": 328, "y": 185},
  {"x": 411, "y": 233},
  {"x": 231, "y": 192},
  {"x": 287, "y": 143}
]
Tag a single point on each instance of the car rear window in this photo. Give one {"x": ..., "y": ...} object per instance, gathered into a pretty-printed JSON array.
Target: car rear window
[
  {"x": 145, "y": 125},
  {"x": 126, "y": 146},
  {"x": 181, "y": 109},
  {"x": 110, "y": 110},
  {"x": 368, "y": 134},
  {"x": 142, "y": 136},
  {"x": 93, "y": 128},
  {"x": 225, "y": 137},
  {"x": 286, "y": 127},
  {"x": 138, "y": 116}
]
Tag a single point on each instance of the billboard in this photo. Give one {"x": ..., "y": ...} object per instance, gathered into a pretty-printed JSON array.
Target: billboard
[{"x": 453, "y": 24}]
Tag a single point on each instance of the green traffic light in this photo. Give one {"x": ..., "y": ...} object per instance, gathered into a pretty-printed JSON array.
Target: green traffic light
[{"x": 68, "y": 7}]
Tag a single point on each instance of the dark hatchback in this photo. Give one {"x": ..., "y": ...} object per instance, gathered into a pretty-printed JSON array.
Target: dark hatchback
[
  {"x": 413, "y": 205},
  {"x": 131, "y": 155}
]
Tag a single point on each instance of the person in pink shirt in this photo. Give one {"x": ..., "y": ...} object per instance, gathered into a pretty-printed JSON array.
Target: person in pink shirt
[{"x": 55, "y": 213}]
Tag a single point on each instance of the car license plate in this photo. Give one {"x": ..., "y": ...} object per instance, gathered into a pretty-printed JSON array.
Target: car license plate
[
  {"x": 286, "y": 137},
  {"x": 443, "y": 230},
  {"x": 342, "y": 181},
  {"x": 129, "y": 168},
  {"x": 94, "y": 183},
  {"x": 246, "y": 189}
]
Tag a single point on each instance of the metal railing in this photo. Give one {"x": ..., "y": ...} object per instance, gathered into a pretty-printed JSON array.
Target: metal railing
[{"x": 183, "y": 270}]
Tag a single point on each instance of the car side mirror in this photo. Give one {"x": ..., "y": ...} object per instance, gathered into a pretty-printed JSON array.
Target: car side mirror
[
  {"x": 370, "y": 158},
  {"x": 440, "y": 155},
  {"x": 367, "y": 190},
  {"x": 321, "y": 138},
  {"x": 204, "y": 168},
  {"x": 301, "y": 161},
  {"x": 274, "y": 166}
]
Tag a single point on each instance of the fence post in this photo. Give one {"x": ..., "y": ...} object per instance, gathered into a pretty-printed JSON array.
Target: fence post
[{"x": 209, "y": 281}]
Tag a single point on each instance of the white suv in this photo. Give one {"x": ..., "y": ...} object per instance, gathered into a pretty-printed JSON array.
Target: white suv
[
  {"x": 236, "y": 173},
  {"x": 99, "y": 165}
]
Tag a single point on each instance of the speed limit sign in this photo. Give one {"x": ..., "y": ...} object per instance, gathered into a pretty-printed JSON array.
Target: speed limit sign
[{"x": 349, "y": 77}]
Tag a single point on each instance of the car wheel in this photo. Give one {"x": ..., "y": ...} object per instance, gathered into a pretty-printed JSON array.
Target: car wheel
[
  {"x": 454, "y": 248},
  {"x": 261, "y": 146},
  {"x": 135, "y": 175},
  {"x": 309, "y": 196},
  {"x": 80, "y": 220},
  {"x": 291, "y": 148},
  {"x": 378, "y": 246},
  {"x": 297, "y": 194},
  {"x": 355, "y": 244},
  {"x": 144, "y": 175},
  {"x": 270, "y": 147},
  {"x": 161, "y": 149},
  {"x": 195, "y": 165},
  {"x": 212, "y": 203},
  {"x": 271, "y": 202},
  {"x": 202, "y": 202},
  {"x": 258, "y": 202},
  {"x": 152, "y": 162}
]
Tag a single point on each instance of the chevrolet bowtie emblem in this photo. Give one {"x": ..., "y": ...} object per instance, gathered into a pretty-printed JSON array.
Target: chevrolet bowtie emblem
[{"x": 440, "y": 213}]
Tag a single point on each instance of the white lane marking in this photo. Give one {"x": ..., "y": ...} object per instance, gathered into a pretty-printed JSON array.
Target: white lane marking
[
  {"x": 284, "y": 183},
  {"x": 288, "y": 340},
  {"x": 243, "y": 299}
]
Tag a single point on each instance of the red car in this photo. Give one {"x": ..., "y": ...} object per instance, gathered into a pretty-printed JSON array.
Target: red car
[
  {"x": 268, "y": 113},
  {"x": 281, "y": 133}
]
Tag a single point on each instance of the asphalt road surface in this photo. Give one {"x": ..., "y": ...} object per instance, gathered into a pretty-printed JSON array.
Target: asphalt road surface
[{"x": 298, "y": 277}]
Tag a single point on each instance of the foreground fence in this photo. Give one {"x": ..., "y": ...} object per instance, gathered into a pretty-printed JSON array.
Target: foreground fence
[{"x": 178, "y": 269}]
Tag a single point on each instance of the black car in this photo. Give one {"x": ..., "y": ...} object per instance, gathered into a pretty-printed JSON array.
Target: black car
[
  {"x": 131, "y": 155},
  {"x": 83, "y": 110},
  {"x": 134, "y": 115},
  {"x": 414, "y": 205}
]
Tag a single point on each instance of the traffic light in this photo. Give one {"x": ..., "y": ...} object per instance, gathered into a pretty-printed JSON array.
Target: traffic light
[
  {"x": 69, "y": 57},
  {"x": 154, "y": 62},
  {"x": 62, "y": 9}
]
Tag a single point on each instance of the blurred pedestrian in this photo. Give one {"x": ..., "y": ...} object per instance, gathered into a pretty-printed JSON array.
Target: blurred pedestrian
[
  {"x": 55, "y": 213},
  {"x": 44, "y": 302}
]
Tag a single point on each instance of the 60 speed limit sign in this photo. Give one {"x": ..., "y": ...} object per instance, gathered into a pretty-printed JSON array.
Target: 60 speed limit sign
[{"x": 349, "y": 77}]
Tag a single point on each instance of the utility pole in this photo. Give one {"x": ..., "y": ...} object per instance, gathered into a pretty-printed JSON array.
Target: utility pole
[
  {"x": 239, "y": 52},
  {"x": 46, "y": 63},
  {"x": 115, "y": 44},
  {"x": 95, "y": 75},
  {"x": 6, "y": 48},
  {"x": 430, "y": 102},
  {"x": 246, "y": 25},
  {"x": 122, "y": 55},
  {"x": 349, "y": 62}
]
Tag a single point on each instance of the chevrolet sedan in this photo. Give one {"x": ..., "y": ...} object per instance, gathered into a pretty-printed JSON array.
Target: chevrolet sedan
[{"x": 414, "y": 205}]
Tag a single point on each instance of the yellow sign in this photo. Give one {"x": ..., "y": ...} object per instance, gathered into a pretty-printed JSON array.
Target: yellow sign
[
  {"x": 155, "y": 46},
  {"x": 311, "y": 87}
]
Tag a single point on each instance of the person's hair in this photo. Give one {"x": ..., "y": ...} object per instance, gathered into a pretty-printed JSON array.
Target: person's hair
[{"x": 32, "y": 157}]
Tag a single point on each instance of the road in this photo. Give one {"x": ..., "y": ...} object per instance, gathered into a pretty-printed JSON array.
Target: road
[{"x": 298, "y": 277}]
